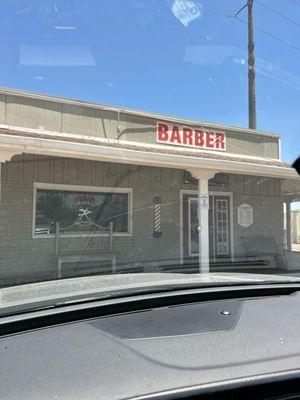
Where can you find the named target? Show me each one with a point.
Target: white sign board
(198, 138)
(204, 201)
(245, 215)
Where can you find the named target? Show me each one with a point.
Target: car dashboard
(237, 344)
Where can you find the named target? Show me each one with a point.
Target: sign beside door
(245, 215)
(204, 201)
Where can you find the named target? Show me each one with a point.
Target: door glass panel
(219, 227)
(193, 226)
(222, 247)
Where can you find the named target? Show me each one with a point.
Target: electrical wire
(272, 36)
(217, 13)
(295, 2)
(278, 13)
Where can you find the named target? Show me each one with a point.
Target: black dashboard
(242, 347)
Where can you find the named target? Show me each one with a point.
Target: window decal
(68, 207)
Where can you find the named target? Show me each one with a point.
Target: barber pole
(157, 218)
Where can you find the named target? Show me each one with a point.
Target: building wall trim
(60, 148)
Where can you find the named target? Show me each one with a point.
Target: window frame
(79, 188)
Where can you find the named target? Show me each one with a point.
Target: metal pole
(203, 235)
(251, 68)
(288, 226)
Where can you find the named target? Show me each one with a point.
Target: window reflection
(68, 207)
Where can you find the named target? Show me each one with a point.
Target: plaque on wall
(245, 215)
(204, 201)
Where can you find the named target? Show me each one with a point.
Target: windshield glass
(149, 137)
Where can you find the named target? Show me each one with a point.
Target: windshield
(149, 137)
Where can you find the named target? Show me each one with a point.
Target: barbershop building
(87, 188)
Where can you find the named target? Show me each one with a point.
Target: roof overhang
(16, 140)
(291, 189)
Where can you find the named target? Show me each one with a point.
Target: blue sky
(152, 55)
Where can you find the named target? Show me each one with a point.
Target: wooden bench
(83, 242)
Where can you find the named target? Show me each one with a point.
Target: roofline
(11, 145)
(4, 129)
(170, 118)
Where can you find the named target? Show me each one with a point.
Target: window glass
(68, 207)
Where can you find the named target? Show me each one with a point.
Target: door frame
(183, 192)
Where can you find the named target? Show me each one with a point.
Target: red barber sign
(185, 136)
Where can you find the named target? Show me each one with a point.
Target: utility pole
(251, 65)
(251, 69)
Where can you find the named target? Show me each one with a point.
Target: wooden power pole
(251, 65)
(251, 68)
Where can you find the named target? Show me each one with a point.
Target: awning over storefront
(291, 190)
(17, 140)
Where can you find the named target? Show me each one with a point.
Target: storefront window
(70, 207)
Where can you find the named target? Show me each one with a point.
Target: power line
(218, 13)
(295, 2)
(278, 13)
(282, 41)
(272, 36)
